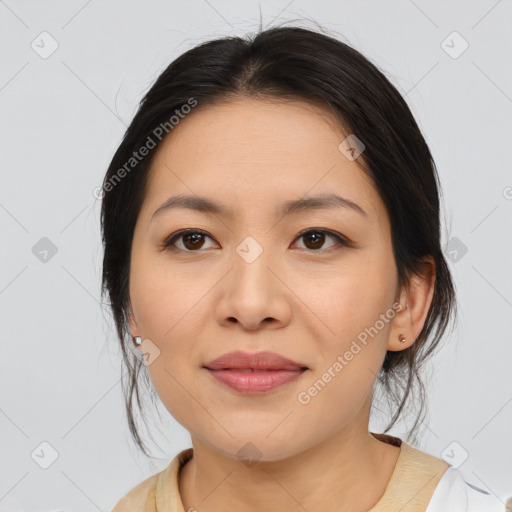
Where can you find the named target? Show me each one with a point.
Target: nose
(254, 294)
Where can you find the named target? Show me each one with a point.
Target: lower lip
(255, 383)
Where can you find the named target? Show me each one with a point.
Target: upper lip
(257, 361)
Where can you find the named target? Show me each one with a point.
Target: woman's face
(251, 280)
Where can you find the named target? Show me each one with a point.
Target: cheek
(352, 301)
(166, 309)
(165, 315)
(164, 299)
(355, 312)
(352, 357)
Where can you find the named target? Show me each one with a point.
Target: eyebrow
(205, 205)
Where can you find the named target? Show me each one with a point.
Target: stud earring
(401, 337)
(137, 340)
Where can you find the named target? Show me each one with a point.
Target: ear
(415, 300)
(134, 329)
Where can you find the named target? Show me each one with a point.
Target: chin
(251, 448)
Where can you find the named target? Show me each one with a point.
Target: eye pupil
(318, 239)
(195, 237)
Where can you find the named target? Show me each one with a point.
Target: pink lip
(260, 361)
(255, 382)
(254, 374)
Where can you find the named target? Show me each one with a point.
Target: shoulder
(140, 498)
(453, 494)
(157, 491)
(422, 481)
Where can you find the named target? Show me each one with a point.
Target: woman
(272, 254)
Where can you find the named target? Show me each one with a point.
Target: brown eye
(314, 239)
(191, 240)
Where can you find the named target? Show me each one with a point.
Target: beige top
(410, 488)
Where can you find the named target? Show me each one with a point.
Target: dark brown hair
(290, 63)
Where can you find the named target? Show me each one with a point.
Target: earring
(137, 340)
(401, 337)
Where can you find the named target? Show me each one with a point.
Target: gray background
(61, 120)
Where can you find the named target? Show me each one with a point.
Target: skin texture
(304, 303)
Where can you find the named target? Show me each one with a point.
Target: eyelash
(341, 241)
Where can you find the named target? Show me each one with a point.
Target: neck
(348, 472)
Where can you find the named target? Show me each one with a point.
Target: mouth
(254, 374)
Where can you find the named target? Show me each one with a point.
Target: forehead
(248, 152)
